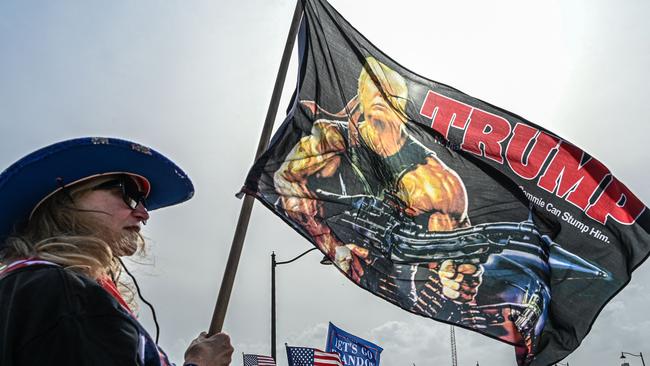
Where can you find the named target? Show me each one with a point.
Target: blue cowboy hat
(30, 180)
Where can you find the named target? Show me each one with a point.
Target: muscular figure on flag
(334, 162)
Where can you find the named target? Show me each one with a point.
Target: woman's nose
(141, 212)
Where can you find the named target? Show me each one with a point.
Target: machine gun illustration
(382, 224)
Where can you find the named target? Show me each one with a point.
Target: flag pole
(244, 215)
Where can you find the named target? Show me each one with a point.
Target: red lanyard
(107, 284)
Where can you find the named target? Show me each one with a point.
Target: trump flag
(443, 204)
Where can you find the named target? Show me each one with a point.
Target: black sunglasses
(131, 193)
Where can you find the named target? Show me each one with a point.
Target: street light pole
(632, 354)
(274, 264)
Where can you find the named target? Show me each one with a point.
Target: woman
(69, 212)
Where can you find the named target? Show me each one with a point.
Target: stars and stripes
(305, 356)
(257, 360)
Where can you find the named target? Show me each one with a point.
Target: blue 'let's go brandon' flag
(354, 351)
(443, 204)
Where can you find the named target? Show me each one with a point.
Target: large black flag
(443, 204)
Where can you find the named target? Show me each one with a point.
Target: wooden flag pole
(244, 215)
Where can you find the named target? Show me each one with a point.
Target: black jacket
(53, 316)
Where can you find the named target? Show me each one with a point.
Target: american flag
(257, 360)
(305, 356)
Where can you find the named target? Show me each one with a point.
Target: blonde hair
(61, 233)
(386, 79)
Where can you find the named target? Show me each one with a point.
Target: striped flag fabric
(306, 356)
(257, 360)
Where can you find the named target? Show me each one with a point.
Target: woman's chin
(127, 245)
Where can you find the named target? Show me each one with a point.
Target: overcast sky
(193, 79)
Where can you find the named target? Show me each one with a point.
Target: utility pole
(454, 358)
